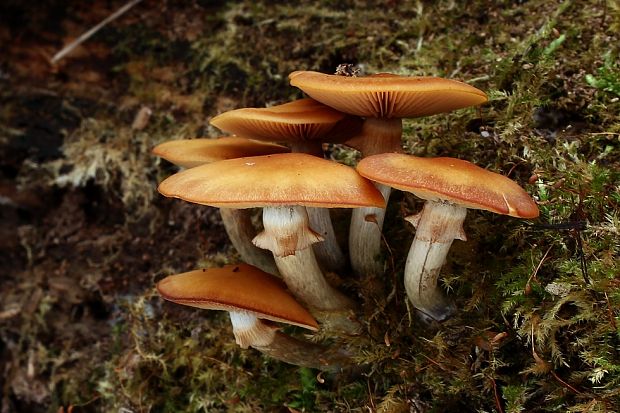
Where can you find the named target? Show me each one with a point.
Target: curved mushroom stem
(365, 237)
(437, 226)
(303, 276)
(378, 135)
(250, 331)
(289, 237)
(306, 354)
(328, 253)
(238, 226)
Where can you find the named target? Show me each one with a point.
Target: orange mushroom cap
(239, 287)
(189, 153)
(450, 179)
(273, 180)
(386, 95)
(300, 120)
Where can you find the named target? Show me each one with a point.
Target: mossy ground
(84, 235)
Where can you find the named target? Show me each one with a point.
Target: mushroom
(450, 186)
(383, 99)
(251, 296)
(283, 185)
(304, 124)
(189, 153)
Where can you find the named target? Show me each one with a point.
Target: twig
(370, 397)
(535, 272)
(497, 401)
(513, 168)
(603, 134)
(392, 264)
(562, 382)
(433, 361)
(69, 48)
(479, 79)
(553, 373)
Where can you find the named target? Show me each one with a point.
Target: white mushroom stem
(303, 276)
(238, 226)
(365, 237)
(437, 226)
(286, 231)
(289, 237)
(328, 253)
(250, 331)
(378, 135)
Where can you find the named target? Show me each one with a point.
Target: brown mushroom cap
(240, 287)
(300, 120)
(189, 153)
(273, 180)
(388, 96)
(450, 179)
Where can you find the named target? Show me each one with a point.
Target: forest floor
(84, 235)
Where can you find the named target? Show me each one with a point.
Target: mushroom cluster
(296, 191)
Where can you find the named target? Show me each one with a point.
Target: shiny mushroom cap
(386, 95)
(453, 180)
(273, 180)
(237, 288)
(300, 120)
(188, 153)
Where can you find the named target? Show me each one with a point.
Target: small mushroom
(283, 185)
(253, 299)
(450, 186)
(304, 124)
(189, 153)
(383, 99)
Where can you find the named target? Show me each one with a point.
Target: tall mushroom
(304, 124)
(251, 296)
(189, 153)
(283, 185)
(383, 99)
(450, 186)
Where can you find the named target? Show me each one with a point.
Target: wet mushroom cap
(189, 153)
(240, 287)
(386, 95)
(452, 180)
(273, 180)
(304, 119)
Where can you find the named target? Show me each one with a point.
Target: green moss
(608, 75)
